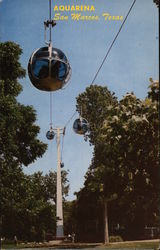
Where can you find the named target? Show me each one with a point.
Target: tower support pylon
(59, 203)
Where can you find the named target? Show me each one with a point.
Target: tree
(124, 169)
(19, 144)
(18, 130)
(156, 2)
(30, 212)
(95, 104)
(50, 181)
(129, 142)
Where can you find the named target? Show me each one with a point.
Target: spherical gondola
(49, 69)
(50, 135)
(80, 126)
(62, 165)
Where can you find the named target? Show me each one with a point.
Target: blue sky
(131, 62)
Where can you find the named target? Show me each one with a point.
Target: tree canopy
(19, 144)
(18, 131)
(156, 2)
(125, 165)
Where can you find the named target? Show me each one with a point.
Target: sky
(131, 62)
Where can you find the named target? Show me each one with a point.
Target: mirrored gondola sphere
(62, 165)
(50, 135)
(49, 71)
(80, 126)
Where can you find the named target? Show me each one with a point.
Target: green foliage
(69, 218)
(156, 2)
(153, 92)
(10, 68)
(94, 104)
(30, 210)
(18, 131)
(87, 214)
(27, 208)
(117, 238)
(125, 165)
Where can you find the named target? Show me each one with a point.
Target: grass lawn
(147, 244)
(11, 246)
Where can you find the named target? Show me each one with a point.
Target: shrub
(116, 238)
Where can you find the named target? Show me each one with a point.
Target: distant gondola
(80, 126)
(50, 135)
(62, 165)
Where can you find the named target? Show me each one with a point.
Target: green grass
(151, 244)
(134, 245)
(10, 246)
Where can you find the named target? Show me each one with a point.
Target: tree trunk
(106, 234)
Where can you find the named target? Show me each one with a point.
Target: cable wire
(113, 41)
(62, 148)
(51, 118)
(106, 54)
(70, 118)
(50, 19)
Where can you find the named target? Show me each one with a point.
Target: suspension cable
(113, 41)
(62, 144)
(70, 118)
(104, 59)
(51, 118)
(50, 19)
